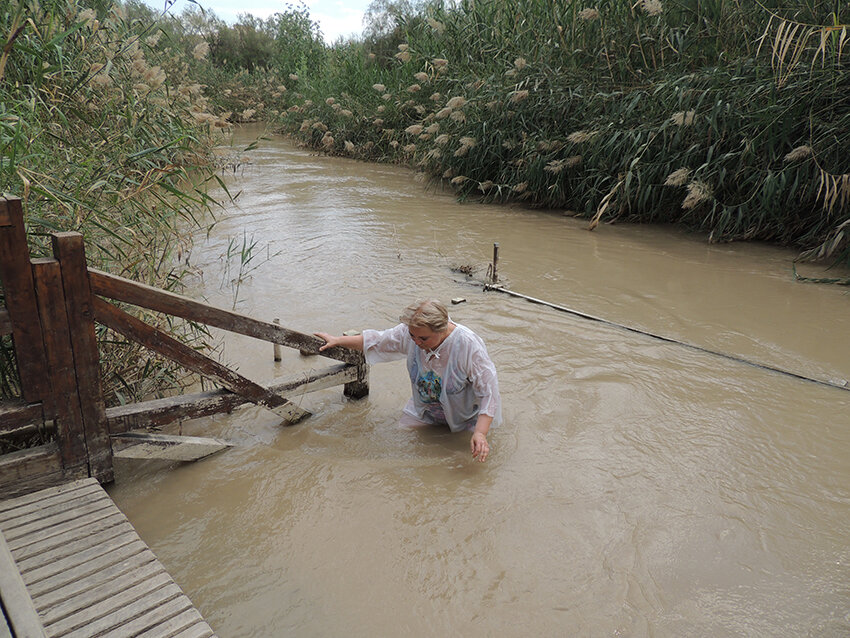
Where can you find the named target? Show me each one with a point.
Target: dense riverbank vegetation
(728, 117)
(102, 131)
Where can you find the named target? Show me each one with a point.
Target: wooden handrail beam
(190, 406)
(15, 415)
(161, 343)
(133, 292)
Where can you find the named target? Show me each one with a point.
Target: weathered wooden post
(495, 277)
(21, 304)
(277, 355)
(69, 249)
(359, 388)
(70, 432)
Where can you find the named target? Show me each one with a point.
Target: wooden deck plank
(35, 511)
(47, 494)
(140, 563)
(92, 594)
(137, 616)
(18, 608)
(85, 571)
(201, 630)
(147, 621)
(121, 599)
(76, 560)
(46, 538)
(81, 544)
(177, 624)
(53, 515)
(57, 519)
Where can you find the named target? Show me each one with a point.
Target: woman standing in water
(452, 377)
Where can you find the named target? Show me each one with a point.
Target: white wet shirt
(451, 384)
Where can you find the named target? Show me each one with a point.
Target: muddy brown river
(635, 488)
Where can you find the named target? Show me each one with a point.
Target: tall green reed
(646, 112)
(101, 132)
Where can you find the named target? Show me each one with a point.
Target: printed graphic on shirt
(429, 385)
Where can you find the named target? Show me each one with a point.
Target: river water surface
(635, 488)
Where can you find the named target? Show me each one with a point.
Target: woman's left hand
(480, 447)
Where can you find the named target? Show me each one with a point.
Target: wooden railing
(52, 305)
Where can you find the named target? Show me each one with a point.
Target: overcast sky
(336, 17)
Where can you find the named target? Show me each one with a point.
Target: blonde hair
(429, 313)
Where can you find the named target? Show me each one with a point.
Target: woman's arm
(354, 342)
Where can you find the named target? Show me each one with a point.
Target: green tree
(298, 42)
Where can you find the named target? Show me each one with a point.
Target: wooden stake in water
(277, 356)
(495, 276)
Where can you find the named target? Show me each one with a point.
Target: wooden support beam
(57, 342)
(18, 606)
(157, 412)
(35, 468)
(15, 415)
(132, 292)
(167, 346)
(165, 447)
(20, 299)
(69, 249)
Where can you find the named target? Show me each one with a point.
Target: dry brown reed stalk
(605, 203)
(792, 38)
(834, 189)
(837, 240)
(519, 96)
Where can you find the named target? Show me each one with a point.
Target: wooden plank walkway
(87, 571)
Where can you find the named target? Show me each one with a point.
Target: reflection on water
(636, 488)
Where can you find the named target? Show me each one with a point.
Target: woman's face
(425, 338)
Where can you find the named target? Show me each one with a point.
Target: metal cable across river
(635, 488)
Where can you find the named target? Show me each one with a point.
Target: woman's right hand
(330, 340)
